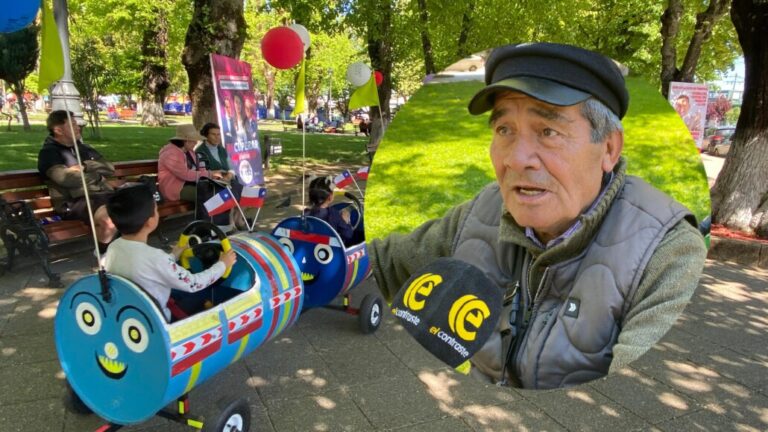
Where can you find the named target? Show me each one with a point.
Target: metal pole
(64, 94)
(330, 86)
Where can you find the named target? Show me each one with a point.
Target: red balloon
(282, 47)
(379, 77)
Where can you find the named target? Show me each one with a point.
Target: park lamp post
(64, 94)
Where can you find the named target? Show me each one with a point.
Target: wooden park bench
(28, 222)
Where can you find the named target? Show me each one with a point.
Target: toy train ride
(125, 362)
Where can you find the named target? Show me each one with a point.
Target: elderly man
(58, 165)
(595, 265)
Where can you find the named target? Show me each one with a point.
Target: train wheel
(370, 313)
(73, 402)
(235, 417)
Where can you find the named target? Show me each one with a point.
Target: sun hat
(187, 132)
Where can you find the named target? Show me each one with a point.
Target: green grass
(123, 142)
(435, 155)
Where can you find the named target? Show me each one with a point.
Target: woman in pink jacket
(179, 172)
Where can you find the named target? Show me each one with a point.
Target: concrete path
(709, 373)
(712, 166)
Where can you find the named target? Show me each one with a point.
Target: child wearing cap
(134, 212)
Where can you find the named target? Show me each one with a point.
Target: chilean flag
(343, 180)
(362, 173)
(253, 197)
(220, 203)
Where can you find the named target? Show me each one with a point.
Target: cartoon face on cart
(320, 255)
(113, 345)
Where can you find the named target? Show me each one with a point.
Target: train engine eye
(88, 318)
(323, 253)
(135, 335)
(287, 243)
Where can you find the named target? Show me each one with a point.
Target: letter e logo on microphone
(419, 290)
(467, 309)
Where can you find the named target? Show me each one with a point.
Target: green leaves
(18, 54)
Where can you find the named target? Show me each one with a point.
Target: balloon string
(303, 165)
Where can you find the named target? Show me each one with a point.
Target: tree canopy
(110, 32)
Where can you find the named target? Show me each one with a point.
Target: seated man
(58, 165)
(595, 265)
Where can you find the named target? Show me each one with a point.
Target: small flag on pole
(366, 95)
(253, 197)
(362, 173)
(219, 203)
(343, 180)
(51, 53)
(300, 93)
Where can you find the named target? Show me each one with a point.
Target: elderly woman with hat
(179, 172)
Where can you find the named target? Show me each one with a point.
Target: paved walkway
(708, 373)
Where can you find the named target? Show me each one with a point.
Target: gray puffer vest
(578, 308)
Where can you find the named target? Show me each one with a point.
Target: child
(321, 197)
(134, 212)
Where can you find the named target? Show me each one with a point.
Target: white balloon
(303, 34)
(358, 74)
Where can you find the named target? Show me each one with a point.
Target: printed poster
(690, 102)
(236, 108)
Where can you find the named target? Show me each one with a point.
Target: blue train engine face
(126, 362)
(116, 347)
(328, 266)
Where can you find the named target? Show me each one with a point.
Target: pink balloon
(379, 77)
(282, 48)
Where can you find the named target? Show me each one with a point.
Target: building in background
(730, 84)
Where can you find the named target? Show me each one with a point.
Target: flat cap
(553, 73)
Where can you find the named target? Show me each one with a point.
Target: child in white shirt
(133, 210)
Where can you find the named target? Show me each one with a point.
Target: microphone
(451, 308)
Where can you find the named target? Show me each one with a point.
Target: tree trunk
(269, 77)
(740, 195)
(705, 22)
(18, 90)
(466, 25)
(670, 26)
(154, 52)
(90, 98)
(217, 26)
(426, 44)
(380, 53)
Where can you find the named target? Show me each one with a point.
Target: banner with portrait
(236, 109)
(690, 102)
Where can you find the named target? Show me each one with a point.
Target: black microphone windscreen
(450, 307)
